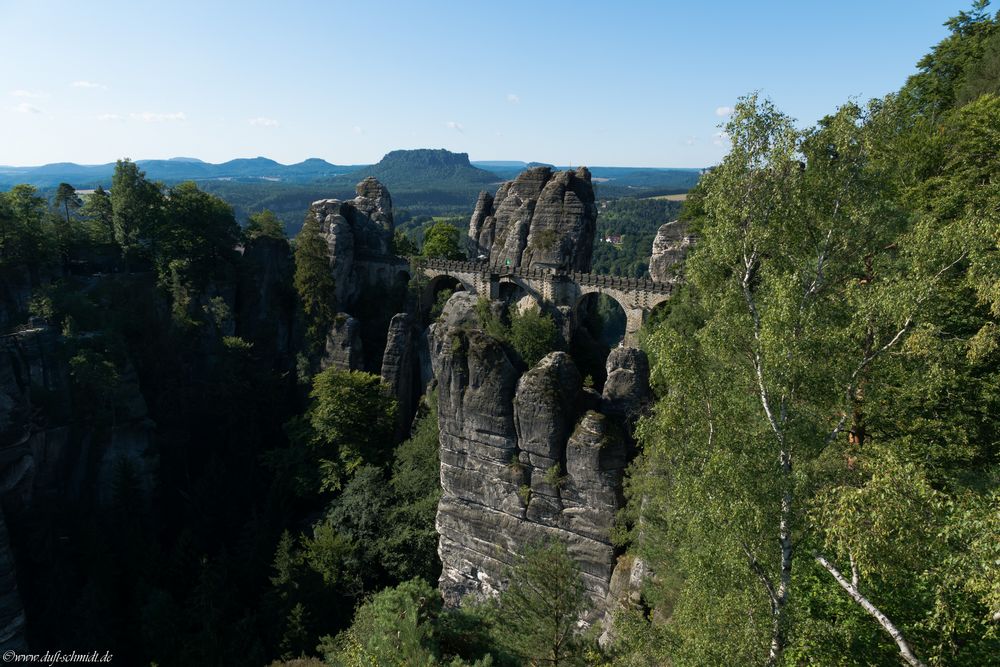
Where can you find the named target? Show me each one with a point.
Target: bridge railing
(548, 273)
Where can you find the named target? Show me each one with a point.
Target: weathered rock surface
(48, 451)
(398, 368)
(343, 345)
(354, 229)
(627, 386)
(267, 301)
(540, 219)
(670, 246)
(519, 464)
(43, 448)
(12, 618)
(625, 592)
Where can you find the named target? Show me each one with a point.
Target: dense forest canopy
(816, 481)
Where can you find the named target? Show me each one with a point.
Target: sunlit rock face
(523, 460)
(354, 230)
(670, 246)
(541, 219)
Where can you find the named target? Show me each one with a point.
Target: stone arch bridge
(636, 296)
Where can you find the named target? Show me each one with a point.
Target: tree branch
(852, 590)
(762, 575)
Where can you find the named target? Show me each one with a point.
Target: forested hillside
(819, 481)
(223, 446)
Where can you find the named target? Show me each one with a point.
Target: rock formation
(39, 452)
(267, 300)
(398, 368)
(669, 248)
(11, 609)
(357, 228)
(540, 219)
(522, 461)
(627, 386)
(343, 345)
(47, 452)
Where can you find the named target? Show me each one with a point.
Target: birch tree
(798, 293)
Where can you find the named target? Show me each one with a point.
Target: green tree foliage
(136, 205)
(67, 200)
(983, 76)
(406, 625)
(442, 241)
(402, 246)
(538, 612)
(98, 215)
(392, 628)
(353, 418)
(264, 223)
(198, 228)
(26, 235)
(950, 72)
(823, 368)
(533, 334)
(314, 282)
(636, 221)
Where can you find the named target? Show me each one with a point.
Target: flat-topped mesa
(541, 219)
(354, 229)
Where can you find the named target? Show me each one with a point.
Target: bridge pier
(634, 319)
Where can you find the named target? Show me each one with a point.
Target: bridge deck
(551, 274)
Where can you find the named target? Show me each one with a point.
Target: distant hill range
(174, 170)
(422, 181)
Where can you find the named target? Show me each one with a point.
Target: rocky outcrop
(343, 345)
(12, 619)
(521, 462)
(354, 229)
(398, 369)
(45, 446)
(627, 386)
(15, 293)
(52, 452)
(625, 592)
(267, 299)
(670, 246)
(540, 219)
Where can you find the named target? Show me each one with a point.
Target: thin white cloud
(24, 107)
(358, 130)
(722, 112)
(454, 126)
(111, 117)
(89, 84)
(150, 117)
(260, 121)
(28, 94)
(513, 99)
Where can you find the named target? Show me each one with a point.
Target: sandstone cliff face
(11, 609)
(540, 219)
(670, 246)
(47, 452)
(398, 368)
(627, 386)
(343, 345)
(360, 227)
(522, 461)
(267, 299)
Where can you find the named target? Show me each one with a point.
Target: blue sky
(599, 83)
